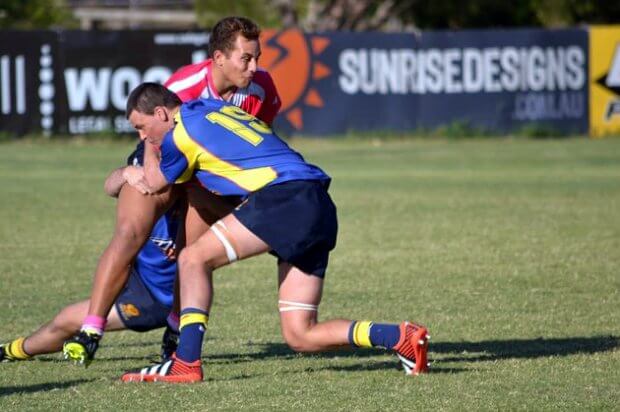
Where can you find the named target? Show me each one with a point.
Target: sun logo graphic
(291, 59)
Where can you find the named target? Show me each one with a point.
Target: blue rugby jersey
(230, 151)
(156, 263)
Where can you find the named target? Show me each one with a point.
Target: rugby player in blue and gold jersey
(286, 211)
(146, 296)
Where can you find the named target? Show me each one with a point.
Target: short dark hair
(225, 33)
(147, 96)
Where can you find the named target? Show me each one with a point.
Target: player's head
(235, 49)
(150, 110)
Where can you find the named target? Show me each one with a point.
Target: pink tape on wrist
(173, 320)
(95, 323)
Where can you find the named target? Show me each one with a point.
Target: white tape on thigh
(230, 251)
(297, 306)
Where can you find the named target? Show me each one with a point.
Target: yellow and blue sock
(15, 350)
(192, 326)
(365, 334)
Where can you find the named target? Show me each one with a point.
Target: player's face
(241, 63)
(152, 127)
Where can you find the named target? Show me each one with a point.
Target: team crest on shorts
(129, 310)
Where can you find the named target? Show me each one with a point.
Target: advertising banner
(494, 80)
(604, 80)
(499, 81)
(100, 69)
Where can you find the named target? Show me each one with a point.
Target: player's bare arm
(114, 182)
(153, 176)
(133, 175)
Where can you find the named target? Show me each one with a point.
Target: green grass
(508, 249)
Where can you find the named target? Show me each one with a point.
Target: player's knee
(296, 340)
(65, 321)
(190, 260)
(129, 232)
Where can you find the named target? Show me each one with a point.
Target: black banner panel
(28, 88)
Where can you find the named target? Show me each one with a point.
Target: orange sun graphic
(289, 58)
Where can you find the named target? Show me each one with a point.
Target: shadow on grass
(41, 387)
(439, 352)
(491, 350)
(482, 351)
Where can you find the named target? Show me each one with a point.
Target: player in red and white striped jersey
(258, 98)
(231, 73)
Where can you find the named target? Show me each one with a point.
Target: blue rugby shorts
(137, 308)
(297, 219)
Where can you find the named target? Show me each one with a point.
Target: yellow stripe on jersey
(190, 318)
(361, 334)
(200, 158)
(187, 147)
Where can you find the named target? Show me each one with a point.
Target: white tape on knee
(296, 306)
(230, 250)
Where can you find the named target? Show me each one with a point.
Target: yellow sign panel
(604, 80)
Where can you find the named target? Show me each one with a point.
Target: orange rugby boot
(412, 348)
(173, 370)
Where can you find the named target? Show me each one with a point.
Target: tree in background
(353, 15)
(33, 14)
(591, 11)
(208, 12)
(399, 15)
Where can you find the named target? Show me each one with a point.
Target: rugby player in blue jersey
(232, 74)
(144, 301)
(287, 211)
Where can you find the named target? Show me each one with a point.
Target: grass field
(508, 249)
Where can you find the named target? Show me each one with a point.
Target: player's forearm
(114, 182)
(152, 173)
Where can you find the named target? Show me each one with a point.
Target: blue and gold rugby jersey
(156, 263)
(230, 152)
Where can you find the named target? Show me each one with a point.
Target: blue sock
(192, 326)
(385, 335)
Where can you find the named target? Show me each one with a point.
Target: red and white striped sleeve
(190, 81)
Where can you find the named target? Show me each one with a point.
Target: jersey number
(229, 116)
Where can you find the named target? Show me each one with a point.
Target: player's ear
(218, 57)
(161, 113)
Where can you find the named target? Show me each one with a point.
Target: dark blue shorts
(297, 219)
(137, 308)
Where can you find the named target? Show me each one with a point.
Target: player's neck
(222, 86)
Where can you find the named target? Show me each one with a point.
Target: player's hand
(82, 347)
(134, 175)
